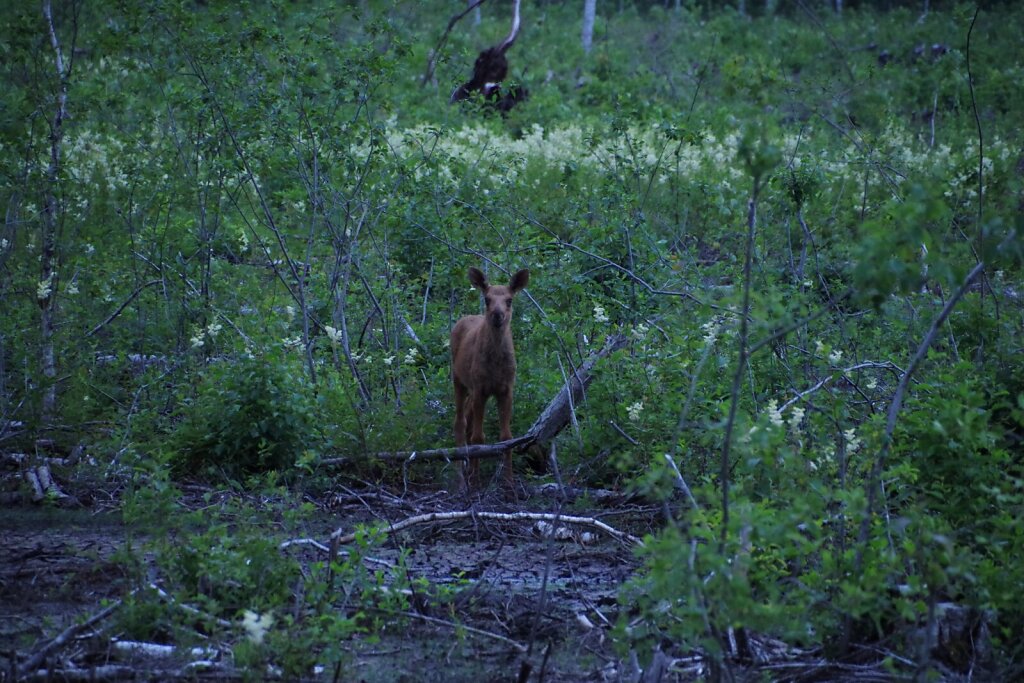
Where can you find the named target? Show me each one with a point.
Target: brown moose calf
(484, 365)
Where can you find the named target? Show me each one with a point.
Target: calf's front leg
(505, 423)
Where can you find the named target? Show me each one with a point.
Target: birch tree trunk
(587, 36)
(46, 291)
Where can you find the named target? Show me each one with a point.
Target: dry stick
(557, 413)
(741, 362)
(120, 309)
(188, 608)
(897, 402)
(466, 453)
(843, 373)
(66, 635)
(681, 483)
(433, 517)
(519, 647)
(981, 167)
(429, 73)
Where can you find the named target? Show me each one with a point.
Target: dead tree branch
(517, 646)
(131, 298)
(556, 416)
(428, 75)
(66, 636)
(338, 538)
(874, 481)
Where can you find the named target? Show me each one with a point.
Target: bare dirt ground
(531, 598)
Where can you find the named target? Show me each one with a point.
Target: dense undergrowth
(262, 221)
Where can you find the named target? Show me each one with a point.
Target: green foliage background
(266, 217)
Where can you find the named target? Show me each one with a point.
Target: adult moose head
(484, 365)
(490, 69)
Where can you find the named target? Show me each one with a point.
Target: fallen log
(552, 420)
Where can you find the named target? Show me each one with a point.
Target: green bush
(249, 416)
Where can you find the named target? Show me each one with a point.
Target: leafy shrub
(249, 416)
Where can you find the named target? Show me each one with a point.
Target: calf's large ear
(478, 279)
(519, 280)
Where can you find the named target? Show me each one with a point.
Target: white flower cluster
(44, 288)
(634, 410)
(639, 333)
(333, 333)
(834, 355)
(711, 329)
(96, 156)
(796, 417)
(198, 339)
(256, 625)
(412, 356)
(599, 314)
(853, 442)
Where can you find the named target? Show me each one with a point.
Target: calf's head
(498, 298)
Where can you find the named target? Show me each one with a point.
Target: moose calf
(484, 365)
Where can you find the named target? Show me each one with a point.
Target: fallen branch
(124, 672)
(66, 636)
(110, 318)
(466, 453)
(557, 414)
(140, 648)
(434, 517)
(189, 608)
(842, 373)
(44, 487)
(519, 647)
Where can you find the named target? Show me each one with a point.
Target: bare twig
(66, 636)
(744, 352)
(681, 483)
(519, 647)
(464, 453)
(131, 298)
(428, 75)
(874, 481)
(188, 608)
(843, 373)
